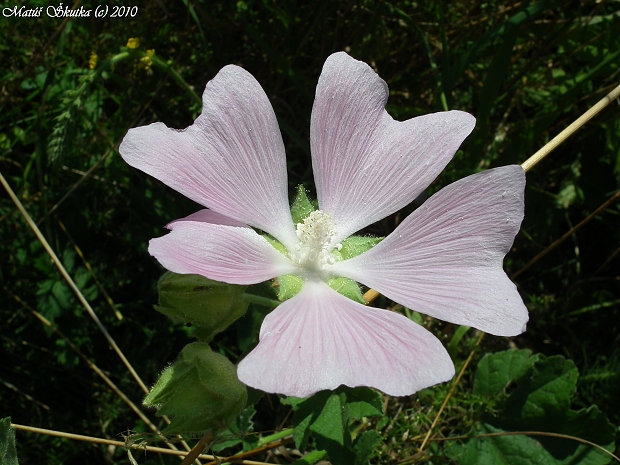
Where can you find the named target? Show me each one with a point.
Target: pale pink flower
(444, 260)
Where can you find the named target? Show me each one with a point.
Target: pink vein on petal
(209, 216)
(367, 165)
(320, 339)
(233, 254)
(445, 259)
(230, 160)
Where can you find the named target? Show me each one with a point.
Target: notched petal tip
(445, 259)
(230, 160)
(320, 340)
(367, 165)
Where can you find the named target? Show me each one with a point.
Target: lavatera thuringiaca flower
(443, 260)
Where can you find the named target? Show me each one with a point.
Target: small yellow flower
(150, 52)
(92, 62)
(133, 43)
(145, 62)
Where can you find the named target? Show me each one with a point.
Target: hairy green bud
(210, 306)
(200, 392)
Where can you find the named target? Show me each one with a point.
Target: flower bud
(210, 306)
(200, 392)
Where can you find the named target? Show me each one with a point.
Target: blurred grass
(525, 69)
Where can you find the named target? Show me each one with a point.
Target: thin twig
(582, 223)
(91, 365)
(198, 448)
(258, 450)
(77, 184)
(531, 433)
(109, 442)
(452, 389)
(21, 393)
(71, 283)
(108, 299)
(566, 133)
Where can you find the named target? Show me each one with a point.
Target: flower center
(315, 236)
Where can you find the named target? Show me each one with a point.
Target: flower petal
(319, 340)
(445, 259)
(366, 165)
(232, 254)
(230, 160)
(209, 216)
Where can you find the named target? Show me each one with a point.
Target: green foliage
(239, 432)
(8, 454)
(326, 417)
(524, 69)
(200, 391)
(533, 393)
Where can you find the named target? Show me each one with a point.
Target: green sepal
(200, 392)
(210, 306)
(288, 286)
(276, 244)
(302, 207)
(347, 287)
(356, 245)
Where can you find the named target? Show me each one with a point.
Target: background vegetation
(524, 69)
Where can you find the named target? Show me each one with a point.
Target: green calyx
(209, 306)
(347, 287)
(289, 285)
(302, 206)
(200, 392)
(356, 245)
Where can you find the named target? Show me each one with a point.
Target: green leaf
(327, 416)
(503, 450)
(543, 396)
(364, 446)
(8, 453)
(210, 306)
(539, 402)
(301, 433)
(306, 411)
(238, 432)
(526, 450)
(331, 431)
(363, 402)
(312, 458)
(589, 424)
(496, 371)
(302, 207)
